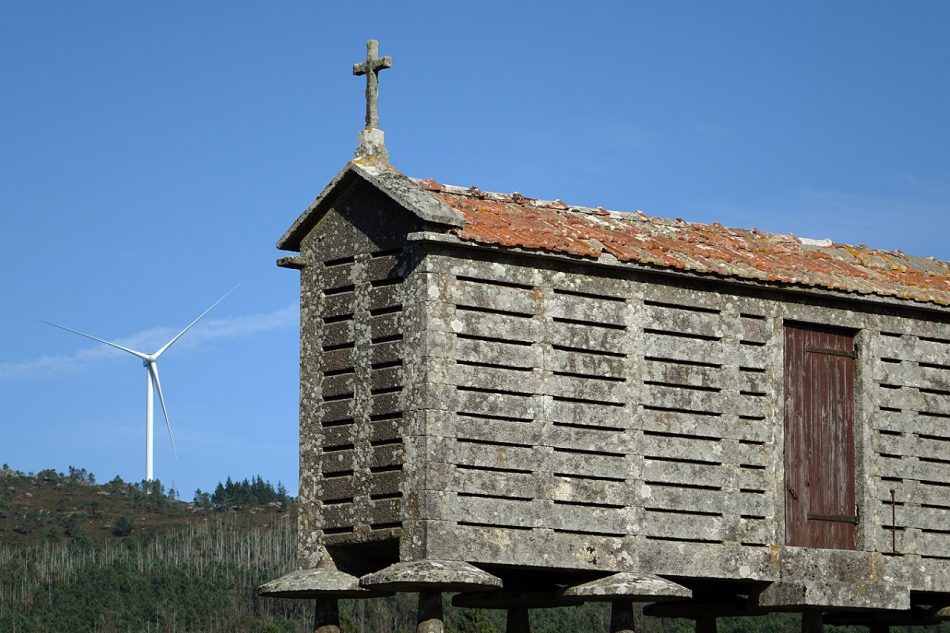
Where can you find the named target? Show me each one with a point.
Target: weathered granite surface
(630, 586)
(431, 575)
(316, 583)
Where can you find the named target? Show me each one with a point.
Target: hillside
(50, 506)
(79, 556)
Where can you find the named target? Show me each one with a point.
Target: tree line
(243, 494)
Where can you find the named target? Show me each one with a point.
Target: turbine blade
(153, 370)
(96, 338)
(188, 327)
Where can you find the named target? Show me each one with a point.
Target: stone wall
(586, 418)
(352, 376)
(911, 438)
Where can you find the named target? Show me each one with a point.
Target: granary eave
(513, 221)
(403, 190)
(615, 264)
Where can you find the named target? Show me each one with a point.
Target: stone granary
(535, 404)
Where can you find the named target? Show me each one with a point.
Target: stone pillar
(324, 585)
(706, 624)
(429, 614)
(430, 578)
(326, 615)
(518, 621)
(623, 589)
(812, 622)
(621, 616)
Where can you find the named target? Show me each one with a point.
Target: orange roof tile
(511, 220)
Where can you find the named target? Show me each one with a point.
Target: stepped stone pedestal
(430, 578)
(325, 585)
(621, 590)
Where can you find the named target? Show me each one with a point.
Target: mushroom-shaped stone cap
(431, 575)
(630, 586)
(315, 583)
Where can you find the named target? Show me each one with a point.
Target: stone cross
(370, 68)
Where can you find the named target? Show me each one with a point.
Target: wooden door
(820, 508)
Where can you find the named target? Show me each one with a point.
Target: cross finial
(373, 64)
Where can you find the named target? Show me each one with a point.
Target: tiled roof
(511, 220)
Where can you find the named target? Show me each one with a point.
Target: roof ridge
(559, 205)
(541, 203)
(514, 220)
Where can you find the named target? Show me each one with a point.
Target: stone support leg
(812, 622)
(706, 624)
(518, 621)
(429, 616)
(621, 616)
(879, 628)
(326, 616)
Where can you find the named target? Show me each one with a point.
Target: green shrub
(122, 526)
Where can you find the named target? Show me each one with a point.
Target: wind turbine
(150, 361)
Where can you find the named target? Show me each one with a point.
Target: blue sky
(152, 153)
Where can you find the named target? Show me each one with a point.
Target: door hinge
(838, 518)
(832, 352)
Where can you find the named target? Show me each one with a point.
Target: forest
(122, 557)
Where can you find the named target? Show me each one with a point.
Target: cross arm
(377, 64)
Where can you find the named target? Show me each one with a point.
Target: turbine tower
(152, 382)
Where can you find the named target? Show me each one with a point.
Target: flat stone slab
(431, 575)
(514, 600)
(636, 587)
(702, 610)
(913, 617)
(316, 583)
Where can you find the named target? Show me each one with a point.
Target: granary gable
(385, 179)
(636, 240)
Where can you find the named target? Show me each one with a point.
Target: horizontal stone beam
(514, 600)
(701, 610)
(912, 617)
(795, 595)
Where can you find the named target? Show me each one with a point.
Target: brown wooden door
(820, 509)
